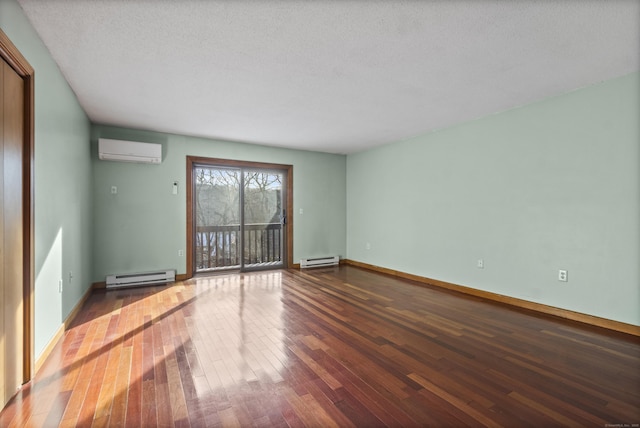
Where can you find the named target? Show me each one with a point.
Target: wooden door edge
(10, 53)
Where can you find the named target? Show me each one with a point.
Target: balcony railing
(218, 247)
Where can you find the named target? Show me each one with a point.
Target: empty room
(320, 213)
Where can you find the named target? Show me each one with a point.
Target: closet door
(11, 231)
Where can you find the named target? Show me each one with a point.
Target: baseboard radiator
(319, 262)
(138, 279)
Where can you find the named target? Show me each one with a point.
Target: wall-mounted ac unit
(129, 151)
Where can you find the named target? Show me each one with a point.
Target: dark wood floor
(330, 347)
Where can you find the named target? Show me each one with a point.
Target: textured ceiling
(332, 76)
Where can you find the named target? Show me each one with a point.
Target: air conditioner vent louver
(319, 262)
(137, 279)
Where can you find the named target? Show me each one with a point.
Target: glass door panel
(263, 218)
(217, 218)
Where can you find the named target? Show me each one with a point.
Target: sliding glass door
(239, 216)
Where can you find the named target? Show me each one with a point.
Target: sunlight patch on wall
(48, 296)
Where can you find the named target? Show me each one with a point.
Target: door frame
(10, 53)
(192, 161)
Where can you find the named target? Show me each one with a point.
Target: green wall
(143, 226)
(552, 185)
(62, 185)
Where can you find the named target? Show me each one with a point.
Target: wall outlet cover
(563, 275)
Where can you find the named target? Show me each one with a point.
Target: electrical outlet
(563, 275)
(180, 253)
(480, 264)
(114, 190)
(368, 246)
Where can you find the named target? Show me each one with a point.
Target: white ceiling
(328, 75)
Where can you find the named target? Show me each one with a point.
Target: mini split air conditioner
(129, 151)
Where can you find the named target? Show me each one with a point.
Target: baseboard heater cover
(319, 262)
(138, 279)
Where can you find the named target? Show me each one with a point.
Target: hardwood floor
(329, 347)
